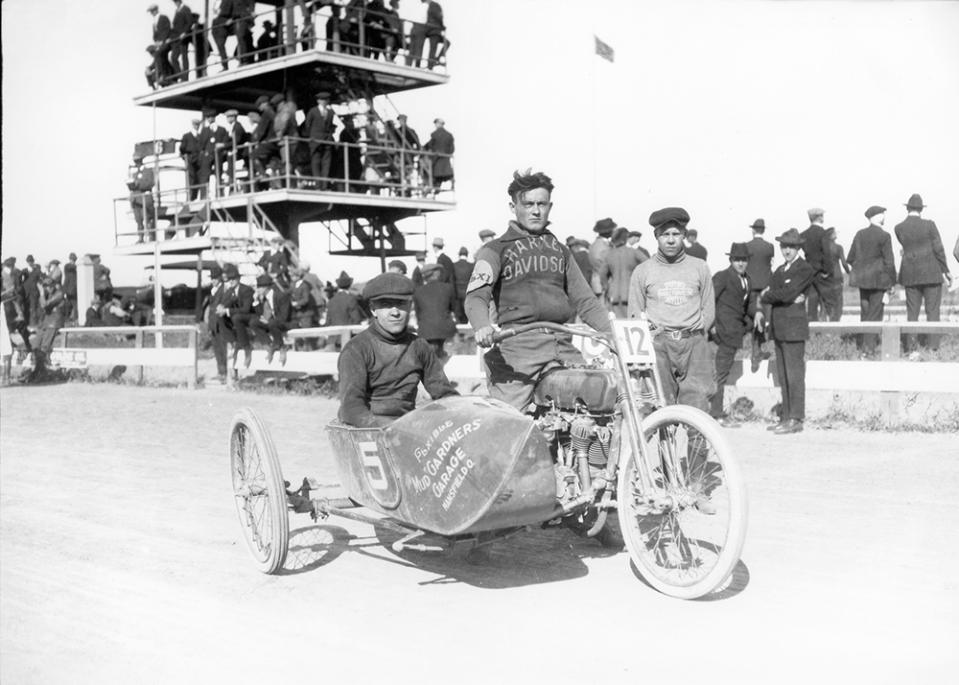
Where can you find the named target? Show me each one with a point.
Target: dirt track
(121, 561)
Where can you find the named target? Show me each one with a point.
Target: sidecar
(455, 466)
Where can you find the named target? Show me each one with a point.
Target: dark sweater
(379, 375)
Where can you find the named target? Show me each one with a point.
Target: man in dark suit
(417, 276)
(759, 269)
(235, 311)
(815, 248)
(70, 285)
(786, 293)
(440, 142)
(580, 250)
(923, 269)
(873, 271)
(319, 127)
(212, 140)
(617, 268)
(736, 313)
(32, 276)
(201, 45)
(462, 270)
(162, 43)
(443, 260)
(190, 152)
(214, 322)
(182, 27)
(597, 253)
(272, 309)
(266, 152)
(435, 306)
(344, 308)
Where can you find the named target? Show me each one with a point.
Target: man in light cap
(235, 146)
(675, 292)
(873, 272)
(788, 288)
(443, 259)
(162, 44)
(319, 127)
(381, 367)
(923, 270)
(443, 146)
(531, 276)
(815, 248)
(141, 185)
(182, 25)
(486, 235)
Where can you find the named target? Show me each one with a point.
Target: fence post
(138, 343)
(890, 341)
(192, 343)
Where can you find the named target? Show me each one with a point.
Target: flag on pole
(603, 50)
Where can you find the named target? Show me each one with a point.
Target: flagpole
(593, 127)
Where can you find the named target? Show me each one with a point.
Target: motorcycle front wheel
(685, 532)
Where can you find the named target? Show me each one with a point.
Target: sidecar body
(454, 466)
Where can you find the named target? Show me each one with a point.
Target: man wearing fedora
(873, 272)
(319, 127)
(597, 251)
(272, 311)
(443, 259)
(815, 248)
(759, 268)
(786, 294)
(923, 269)
(344, 308)
(235, 310)
(736, 313)
(675, 291)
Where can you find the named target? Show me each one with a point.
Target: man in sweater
(531, 276)
(675, 292)
(873, 271)
(381, 367)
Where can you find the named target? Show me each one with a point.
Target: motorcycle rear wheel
(685, 536)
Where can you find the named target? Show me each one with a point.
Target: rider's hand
(484, 336)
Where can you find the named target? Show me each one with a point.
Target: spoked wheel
(259, 491)
(684, 533)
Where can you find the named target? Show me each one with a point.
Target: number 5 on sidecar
(599, 452)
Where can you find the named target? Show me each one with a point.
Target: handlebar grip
(503, 334)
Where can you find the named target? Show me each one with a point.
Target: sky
(733, 110)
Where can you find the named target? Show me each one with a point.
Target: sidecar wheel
(259, 491)
(686, 533)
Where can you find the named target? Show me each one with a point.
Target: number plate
(634, 341)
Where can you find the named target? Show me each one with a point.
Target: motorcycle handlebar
(505, 333)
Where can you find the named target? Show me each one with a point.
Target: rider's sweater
(379, 373)
(676, 295)
(531, 277)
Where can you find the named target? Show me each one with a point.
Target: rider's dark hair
(526, 181)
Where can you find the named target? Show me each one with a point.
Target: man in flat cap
(736, 313)
(675, 291)
(786, 294)
(162, 44)
(486, 235)
(759, 269)
(923, 270)
(633, 242)
(442, 144)
(617, 268)
(381, 367)
(435, 306)
(213, 141)
(694, 247)
(815, 248)
(266, 151)
(235, 146)
(531, 276)
(181, 37)
(873, 272)
(396, 267)
(597, 252)
(141, 183)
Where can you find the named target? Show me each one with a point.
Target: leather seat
(596, 388)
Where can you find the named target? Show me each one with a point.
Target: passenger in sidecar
(381, 368)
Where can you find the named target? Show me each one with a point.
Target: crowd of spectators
(367, 28)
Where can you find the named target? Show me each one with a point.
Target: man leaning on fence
(923, 270)
(873, 272)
